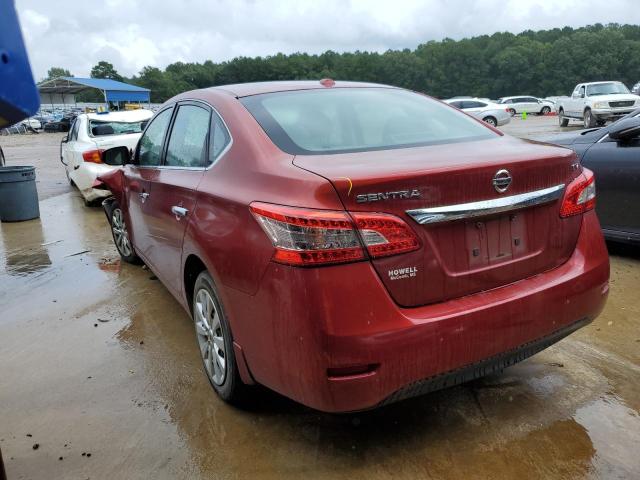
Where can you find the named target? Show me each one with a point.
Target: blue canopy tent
(64, 89)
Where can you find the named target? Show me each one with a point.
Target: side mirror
(625, 130)
(116, 156)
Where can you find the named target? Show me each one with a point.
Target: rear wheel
(491, 121)
(588, 119)
(545, 110)
(215, 341)
(561, 118)
(121, 235)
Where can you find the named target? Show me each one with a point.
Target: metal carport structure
(65, 89)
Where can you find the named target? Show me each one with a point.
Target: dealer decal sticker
(400, 273)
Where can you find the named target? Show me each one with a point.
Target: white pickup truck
(596, 102)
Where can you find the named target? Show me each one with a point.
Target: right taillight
(580, 195)
(92, 156)
(308, 237)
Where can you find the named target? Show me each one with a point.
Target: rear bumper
(303, 322)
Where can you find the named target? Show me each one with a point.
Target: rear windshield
(98, 128)
(359, 119)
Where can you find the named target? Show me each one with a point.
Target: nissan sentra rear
(351, 245)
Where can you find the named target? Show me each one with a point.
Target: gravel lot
(100, 370)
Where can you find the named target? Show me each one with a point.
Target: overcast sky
(76, 34)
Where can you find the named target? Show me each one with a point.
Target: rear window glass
(359, 119)
(98, 128)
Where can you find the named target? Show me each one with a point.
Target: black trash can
(18, 194)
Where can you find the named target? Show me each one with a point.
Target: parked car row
(350, 245)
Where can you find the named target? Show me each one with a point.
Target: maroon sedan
(350, 245)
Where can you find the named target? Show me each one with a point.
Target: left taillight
(308, 237)
(580, 195)
(92, 156)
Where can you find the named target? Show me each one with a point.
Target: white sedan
(494, 114)
(90, 134)
(527, 104)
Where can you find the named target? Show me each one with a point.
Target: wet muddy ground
(100, 370)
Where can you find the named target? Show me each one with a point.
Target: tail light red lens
(93, 156)
(385, 235)
(580, 195)
(306, 237)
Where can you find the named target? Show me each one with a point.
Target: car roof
(257, 88)
(122, 116)
(517, 96)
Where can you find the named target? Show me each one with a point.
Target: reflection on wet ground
(97, 358)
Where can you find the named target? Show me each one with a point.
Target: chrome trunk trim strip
(486, 207)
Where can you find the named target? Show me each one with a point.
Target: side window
(456, 104)
(581, 91)
(73, 136)
(150, 147)
(508, 101)
(219, 139)
(188, 137)
(473, 104)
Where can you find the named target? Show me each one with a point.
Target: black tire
(115, 214)
(545, 110)
(512, 112)
(491, 121)
(561, 118)
(230, 386)
(588, 119)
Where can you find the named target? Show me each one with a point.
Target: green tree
(55, 72)
(105, 70)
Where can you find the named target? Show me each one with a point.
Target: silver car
(517, 105)
(493, 113)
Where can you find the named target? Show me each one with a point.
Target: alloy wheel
(120, 233)
(210, 337)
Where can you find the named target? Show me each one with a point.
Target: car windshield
(343, 120)
(606, 89)
(98, 128)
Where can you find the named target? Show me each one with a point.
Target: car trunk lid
(460, 256)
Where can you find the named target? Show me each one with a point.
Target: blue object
(19, 98)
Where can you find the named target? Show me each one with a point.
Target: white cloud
(158, 32)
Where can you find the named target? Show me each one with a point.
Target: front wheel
(491, 121)
(512, 111)
(588, 119)
(120, 235)
(215, 341)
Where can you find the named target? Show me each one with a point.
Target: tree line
(542, 63)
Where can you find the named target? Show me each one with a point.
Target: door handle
(143, 196)
(179, 211)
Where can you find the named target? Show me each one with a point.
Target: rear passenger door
(173, 192)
